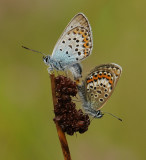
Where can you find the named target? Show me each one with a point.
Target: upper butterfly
(73, 46)
(98, 87)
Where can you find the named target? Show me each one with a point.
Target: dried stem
(61, 134)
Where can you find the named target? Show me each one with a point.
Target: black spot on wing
(101, 99)
(79, 53)
(70, 46)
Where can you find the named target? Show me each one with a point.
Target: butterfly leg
(50, 70)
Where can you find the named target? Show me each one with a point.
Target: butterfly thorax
(54, 64)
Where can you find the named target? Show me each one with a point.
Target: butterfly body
(98, 87)
(53, 64)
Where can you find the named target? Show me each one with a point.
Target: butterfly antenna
(114, 116)
(33, 50)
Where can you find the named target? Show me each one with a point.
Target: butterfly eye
(46, 59)
(98, 112)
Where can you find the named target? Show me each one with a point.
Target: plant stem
(61, 134)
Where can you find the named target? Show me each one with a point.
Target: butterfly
(74, 45)
(97, 87)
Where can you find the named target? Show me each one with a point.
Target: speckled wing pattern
(75, 43)
(100, 83)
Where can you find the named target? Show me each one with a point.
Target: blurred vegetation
(26, 127)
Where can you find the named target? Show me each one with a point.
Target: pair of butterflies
(75, 45)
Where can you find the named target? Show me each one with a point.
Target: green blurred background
(27, 131)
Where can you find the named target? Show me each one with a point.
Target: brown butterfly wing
(100, 84)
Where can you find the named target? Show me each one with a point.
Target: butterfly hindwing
(100, 84)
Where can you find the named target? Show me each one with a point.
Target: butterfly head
(98, 114)
(46, 59)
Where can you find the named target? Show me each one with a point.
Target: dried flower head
(68, 117)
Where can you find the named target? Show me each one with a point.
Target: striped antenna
(33, 50)
(114, 116)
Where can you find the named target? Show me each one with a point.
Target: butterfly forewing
(75, 44)
(79, 20)
(100, 84)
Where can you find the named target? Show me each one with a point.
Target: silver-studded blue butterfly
(97, 87)
(73, 46)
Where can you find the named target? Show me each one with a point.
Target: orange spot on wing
(110, 81)
(85, 45)
(84, 36)
(90, 80)
(106, 77)
(85, 53)
(99, 76)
